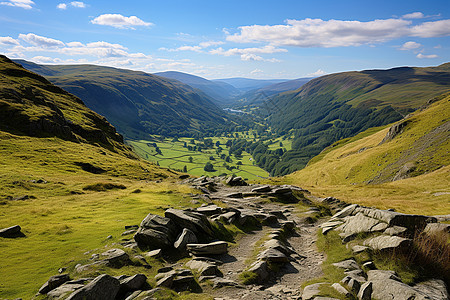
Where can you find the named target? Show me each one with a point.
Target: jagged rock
(147, 295)
(273, 255)
(347, 265)
(386, 285)
(386, 243)
(247, 218)
(132, 283)
(434, 288)
(54, 282)
(166, 280)
(205, 268)
(115, 257)
(395, 230)
(236, 181)
(278, 245)
(346, 211)
(11, 232)
(196, 222)
(340, 289)
(153, 239)
(359, 248)
(164, 269)
(154, 253)
(64, 290)
(311, 291)
(261, 269)
(358, 224)
(131, 231)
(209, 210)
(229, 217)
(102, 287)
(214, 248)
(237, 195)
(287, 225)
(186, 237)
(433, 228)
(365, 292)
(262, 189)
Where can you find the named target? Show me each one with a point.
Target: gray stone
(273, 255)
(369, 265)
(236, 181)
(196, 222)
(347, 265)
(133, 295)
(325, 230)
(229, 217)
(434, 228)
(205, 268)
(132, 283)
(261, 269)
(166, 280)
(358, 224)
(311, 291)
(395, 230)
(102, 287)
(237, 195)
(186, 237)
(131, 231)
(340, 289)
(365, 292)
(153, 239)
(262, 189)
(222, 282)
(278, 245)
(54, 282)
(115, 257)
(214, 248)
(346, 211)
(64, 290)
(359, 248)
(154, 253)
(11, 232)
(387, 243)
(209, 210)
(434, 288)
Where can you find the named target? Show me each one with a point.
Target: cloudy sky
(228, 38)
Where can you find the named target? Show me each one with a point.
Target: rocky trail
(272, 256)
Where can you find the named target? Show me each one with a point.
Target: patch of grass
(248, 277)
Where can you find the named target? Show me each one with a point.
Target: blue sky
(220, 39)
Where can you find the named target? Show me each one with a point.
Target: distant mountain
(137, 103)
(220, 91)
(336, 106)
(247, 84)
(255, 98)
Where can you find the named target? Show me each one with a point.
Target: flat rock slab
(273, 255)
(311, 291)
(348, 265)
(196, 222)
(215, 248)
(262, 189)
(386, 243)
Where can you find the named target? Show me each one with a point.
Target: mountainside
(247, 84)
(341, 105)
(222, 92)
(137, 103)
(411, 154)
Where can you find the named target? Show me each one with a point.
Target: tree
(228, 159)
(218, 144)
(239, 163)
(190, 159)
(184, 169)
(212, 158)
(208, 167)
(184, 145)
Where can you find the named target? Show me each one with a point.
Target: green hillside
(137, 103)
(405, 166)
(341, 105)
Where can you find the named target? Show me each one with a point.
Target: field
(174, 154)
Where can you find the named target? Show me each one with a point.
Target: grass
(344, 169)
(175, 156)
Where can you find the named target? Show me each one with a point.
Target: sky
(214, 39)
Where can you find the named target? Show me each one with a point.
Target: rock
(88, 267)
(287, 225)
(154, 253)
(153, 239)
(214, 248)
(11, 232)
(229, 217)
(132, 283)
(166, 281)
(273, 255)
(102, 287)
(278, 245)
(358, 224)
(219, 282)
(347, 265)
(196, 222)
(262, 189)
(369, 265)
(395, 230)
(434, 228)
(165, 269)
(54, 282)
(359, 248)
(204, 268)
(186, 237)
(325, 230)
(261, 269)
(64, 290)
(116, 258)
(131, 231)
(388, 243)
(236, 181)
(365, 292)
(347, 211)
(209, 210)
(237, 195)
(311, 291)
(340, 289)
(434, 288)
(133, 295)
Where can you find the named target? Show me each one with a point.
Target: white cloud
(105, 45)
(7, 40)
(78, 4)
(420, 55)
(249, 53)
(62, 6)
(317, 73)
(249, 56)
(27, 4)
(410, 46)
(414, 15)
(119, 21)
(75, 44)
(210, 44)
(40, 41)
(256, 71)
(336, 33)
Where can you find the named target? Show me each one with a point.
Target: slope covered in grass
(405, 166)
(137, 103)
(337, 106)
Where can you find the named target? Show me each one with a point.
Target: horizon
(255, 40)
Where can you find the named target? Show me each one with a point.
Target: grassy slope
(344, 168)
(60, 219)
(136, 103)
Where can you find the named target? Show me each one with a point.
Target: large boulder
(204, 268)
(215, 248)
(196, 222)
(209, 210)
(186, 237)
(53, 283)
(274, 256)
(261, 269)
(358, 224)
(387, 243)
(236, 181)
(132, 283)
(156, 232)
(115, 258)
(102, 287)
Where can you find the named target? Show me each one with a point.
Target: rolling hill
(137, 103)
(336, 106)
(390, 165)
(222, 92)
(247, 84)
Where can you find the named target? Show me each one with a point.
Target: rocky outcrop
(214, 248)
(102, 287)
